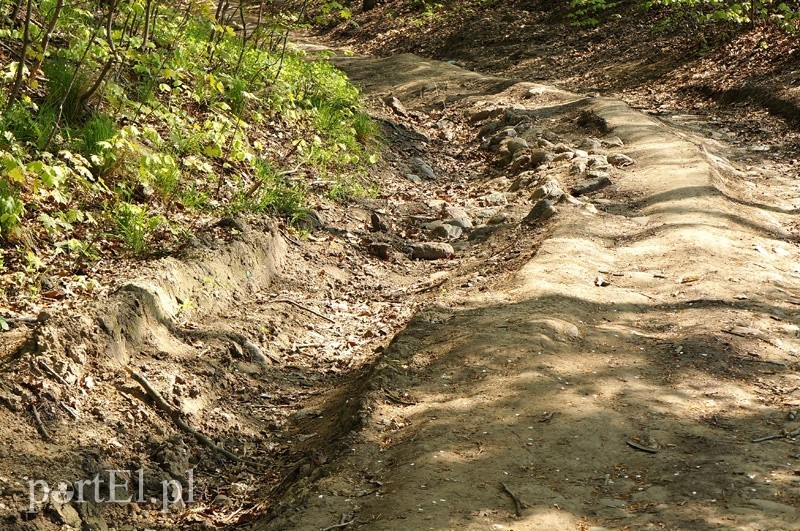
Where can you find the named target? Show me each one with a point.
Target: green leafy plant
(588, 12)
(272, 193)
(162, 172)
(11, 210)
(134, 225)
(733, 12)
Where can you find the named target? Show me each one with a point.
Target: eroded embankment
(640, 370)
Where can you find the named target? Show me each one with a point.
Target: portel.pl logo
(110, 487)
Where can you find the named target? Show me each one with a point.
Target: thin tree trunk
(26, 41)
(69, 88)
(15, 12)
(48, 32)
(148, 9)
(112, 9)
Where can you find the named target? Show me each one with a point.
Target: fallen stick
(40, 425)
(517, 503)
(783, 435)
(306, 308)
(768, 438)
(45, 367)
(341, 524)
(641, 448)
(169, 410)
(397, 399)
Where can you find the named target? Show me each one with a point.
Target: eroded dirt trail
(625, 376)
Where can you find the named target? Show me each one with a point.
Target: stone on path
(541, 211)
(431, 250)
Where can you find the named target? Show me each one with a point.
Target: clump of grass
(65, 85)
(134, 225)
(365, 128)
(100, 128)
(274, 194)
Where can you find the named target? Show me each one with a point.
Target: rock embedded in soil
(431, 250)
(495, 198)
(545, 144)
(483, 232)
(94, 523)
(540, 156)
(614, 141)
(620, 161)
(587, 186)
(520, 162)
(446, 231)
(422, 169)
(479, 116)
(541, 211)
(524, 180)
(549, 190)
(562, 148)
(460, 223)
(516, 144)
(380, 249)
(377, 224)
(396, 106)
(597, 174)
(496, 140)
(590, 144)
(457, 216)
(64, 514)
(599, 162)
(578, 166)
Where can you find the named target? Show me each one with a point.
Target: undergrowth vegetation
(700, 13)
(123, 120)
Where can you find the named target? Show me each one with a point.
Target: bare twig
(306, 308)
(71, 410)
(429, 287)
(45, 367)
(342, 523)
(768, 438)
(182, 424)
(517, 503)
(640, 447)
(783, 435)
(19, 74)
(397, 399)
(40, 425)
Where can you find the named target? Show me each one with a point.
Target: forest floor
(627, 356)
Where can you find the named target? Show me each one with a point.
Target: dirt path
(622, 377)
